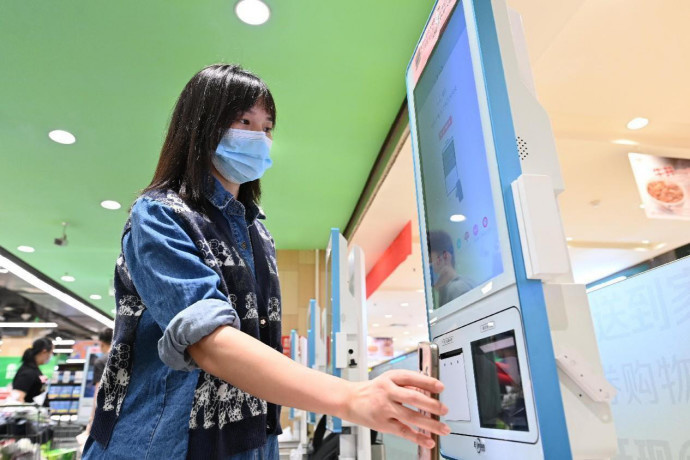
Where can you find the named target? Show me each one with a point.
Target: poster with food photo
(664, 185)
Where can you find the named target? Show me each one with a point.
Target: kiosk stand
(497, 274)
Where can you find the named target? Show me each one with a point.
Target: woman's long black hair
(38, 346)
(212, 100)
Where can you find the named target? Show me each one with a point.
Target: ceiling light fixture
(28, 249)
(95, 297)
(388, 316)
(58, 294)
(63, 350)
(110, 204)
(68, 278)
(638, 123)
(642, 206)
(252, 12)
(375, 325)
(76, 361)
(404, 304)
(569, 238)
(60, 341)
(625, 142)
(62, 137)
(457, 218)
(29, 324)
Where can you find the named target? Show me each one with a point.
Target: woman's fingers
(419, 400)
(424, 422)
(404, 378)
(408, 433)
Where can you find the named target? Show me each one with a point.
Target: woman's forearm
(382, 404)
(254, 367)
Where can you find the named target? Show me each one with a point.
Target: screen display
(463, 241)
(500, 396)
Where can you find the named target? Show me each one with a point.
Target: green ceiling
(110, 72)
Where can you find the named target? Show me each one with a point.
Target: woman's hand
(378, 404)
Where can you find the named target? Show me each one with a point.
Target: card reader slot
(450, 354)
(453, 375)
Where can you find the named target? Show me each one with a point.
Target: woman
(29, 381)
(195, 369)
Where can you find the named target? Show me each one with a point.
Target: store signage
(664, 185)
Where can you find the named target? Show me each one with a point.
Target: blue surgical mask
(242, 155)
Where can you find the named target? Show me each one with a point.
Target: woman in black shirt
(30, 381)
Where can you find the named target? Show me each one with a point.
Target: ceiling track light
(62, 241)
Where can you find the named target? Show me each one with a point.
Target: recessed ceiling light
(645, 241)
(457, 218)
(404, 304)
(67, 278)
(569, 238)
(406, 332)
(660, 246)
(25, 249)
(642, 206)
(625, 142)
(95, 297)
(638, 123)
(640, 249)
(252, 12)
(389, 316)
(375, 325)
(62, 137)
(420, 290)
(110, 204)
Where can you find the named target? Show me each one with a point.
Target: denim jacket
(181, 275)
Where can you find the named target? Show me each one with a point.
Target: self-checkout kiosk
(299, 352)
(517, 349)
(346, 328)
(316, 344)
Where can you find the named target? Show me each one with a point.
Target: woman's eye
(244, 121)
(268, 130)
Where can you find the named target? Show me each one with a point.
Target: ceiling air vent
(522, 148)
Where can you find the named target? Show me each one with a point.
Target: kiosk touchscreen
(488, 320)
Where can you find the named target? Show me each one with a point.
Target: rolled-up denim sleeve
(179, 290)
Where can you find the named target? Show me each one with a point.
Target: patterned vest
(224, 420)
